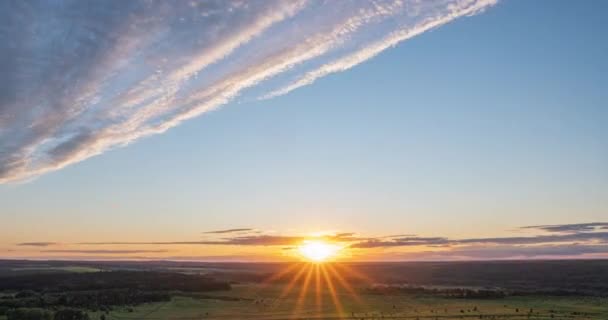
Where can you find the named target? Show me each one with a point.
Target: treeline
(68, 296)
(584, 277)
(96, 300)
(42, 314)
(460, 293)
(140, 280)
(467, 293)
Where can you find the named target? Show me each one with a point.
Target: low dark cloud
(573, 240)
(245, 240)
(402, 242)
(345, 234)
(601, 237)
(262, 240)
(511, 252)
(570, 237)
(230, 231)
(36, 244)
(105, 251)
(570, 228)
(256, 240)
(391, 241)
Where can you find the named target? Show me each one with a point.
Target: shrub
(29, 314)
(3, 310)
(71, 314)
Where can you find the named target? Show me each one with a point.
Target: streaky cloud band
(79, 78)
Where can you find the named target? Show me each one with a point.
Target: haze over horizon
(399, 130)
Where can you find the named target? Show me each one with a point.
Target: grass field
(265, 302)
(78, 269)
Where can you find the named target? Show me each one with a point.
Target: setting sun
(318, 251)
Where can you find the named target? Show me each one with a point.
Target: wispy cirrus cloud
(110, 251)
(247, 240)
(236, 230)
(570, 228)
(77, 79)
(37, 244)
(372, 49)
(601, 237)
(506, 252)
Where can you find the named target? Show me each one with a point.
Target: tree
(71, 314)
(3, 310)
(28, 314)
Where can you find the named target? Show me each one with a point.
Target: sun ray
(304, 289)
(291, 284)
(273, 278)
(282, 273)
(356, 274)
(344, 283)
(332, 292)
(318, 289)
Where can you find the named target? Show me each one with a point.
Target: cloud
(571, 228)
(79, 78)
(567, 250)
(402, 242)
(260, 240)
(105, 251)
(37, 244)
(230, 231)
(579, 232)
(250, 240)
(586, 243)
(597, 236)
(373, 49)
(406, 240)
(506, 252)
(601, 237)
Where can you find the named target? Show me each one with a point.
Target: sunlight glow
(318, 250)
(316, 282)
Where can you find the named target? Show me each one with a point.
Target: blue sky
(473, 129)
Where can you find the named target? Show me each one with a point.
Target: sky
(235, 130)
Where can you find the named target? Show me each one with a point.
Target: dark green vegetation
(68, 295)
(109, 280)
(172, 290)
(587, 278)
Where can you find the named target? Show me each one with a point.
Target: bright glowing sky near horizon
(235, 130)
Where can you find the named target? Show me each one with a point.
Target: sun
(318, 250)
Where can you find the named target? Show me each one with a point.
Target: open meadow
(265, 302)
(171, 290)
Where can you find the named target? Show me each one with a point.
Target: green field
(257, 302)
(78, 269)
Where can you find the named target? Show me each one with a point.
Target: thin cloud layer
(37, 244)
(508, 252)
(582, 242)
(570, 228)
(105, 251)
(423, 241)
(78, 78)
(230, 231)
(247, 240)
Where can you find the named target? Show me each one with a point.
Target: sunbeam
(332, 292)
(318, 289)
(344, 283)
(348, 270)
(304, 289)
(282, 273)
(291, 284)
